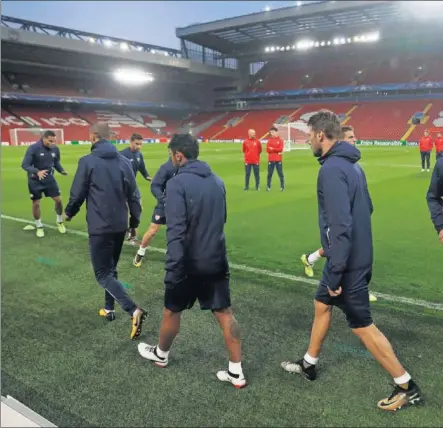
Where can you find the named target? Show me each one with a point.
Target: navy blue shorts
(212, 292)
(158, 216)
(354, 299)
(49, 188)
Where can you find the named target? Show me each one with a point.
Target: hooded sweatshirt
(345, 209)
(195, 209)
(105, 179)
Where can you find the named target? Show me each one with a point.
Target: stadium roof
(31, 47)
(249, 34)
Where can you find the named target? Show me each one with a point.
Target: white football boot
(238, 382)
(149, 352)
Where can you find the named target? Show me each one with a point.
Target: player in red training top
(308, 260)
(274, 147)
(252, 149)
(439, 145)
(426, 145)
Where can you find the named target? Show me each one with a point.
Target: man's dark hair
(327, 122)
(274, 128)
(101, 130)
(47, 134)
(346, 128)
(136, 137)
(186, 144)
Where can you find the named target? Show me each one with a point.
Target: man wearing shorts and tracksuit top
(345, 209)
(158, 189)
(196, 260)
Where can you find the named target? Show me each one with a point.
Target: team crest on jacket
(157, 217)
(53, 155)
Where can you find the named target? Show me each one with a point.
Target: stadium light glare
(322, 43)
(329, 43)
(316, 44)
(349, 40)
(124, 46)
(153, 51)
(336, 41)
(91, 40)
(342, 41)
(272, 49)
(107, 43)
(139, 48)
(267, 8)
(303, 45)
(298, 3)
(267, 49)
(132, 77)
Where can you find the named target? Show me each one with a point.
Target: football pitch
(60, 358)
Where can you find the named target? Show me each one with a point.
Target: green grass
(61, 360)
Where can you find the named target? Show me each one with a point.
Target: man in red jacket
(274, 147)
(439, 145)
(252, 150)
(426, 145)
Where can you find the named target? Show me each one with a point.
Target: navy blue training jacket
(105, 179)
(195, 210)
(137, 162)
(158, 183)
(38, 157)
(435, 196)
(345, 209)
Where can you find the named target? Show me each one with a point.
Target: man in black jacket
(41, 160)
(158, 189)
(345, 209)
(435, 198)
(135, 156)
(105, 179)
(196, 260)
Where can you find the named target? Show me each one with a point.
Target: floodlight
(316, 44)
(107, 43)
(124, 46)
(336, 41)
(130, 76)
(267, 49)
(329, 43)
(322, 43)
(91, 40)
(299, 3)
(267, 8)
(349, 40)
(272, 49)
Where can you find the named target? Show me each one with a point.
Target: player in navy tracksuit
(135, 156)
(40, 161)
(345, 209)
(196, 260)
(105, 179)
(435, 198)
(158, 189)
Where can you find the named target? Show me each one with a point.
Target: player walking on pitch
(275, 147)
(435, 198)
(345, 209)
(196, 260)
(135, 156)
(439, 146)
(40, 161)
(252, 149)
(309, 260)
(158, 189)
(105, 179)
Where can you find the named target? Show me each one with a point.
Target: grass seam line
(264, 272)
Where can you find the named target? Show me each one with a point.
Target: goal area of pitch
(294, 135)
(26, 136)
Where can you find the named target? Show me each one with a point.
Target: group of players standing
(191, 201)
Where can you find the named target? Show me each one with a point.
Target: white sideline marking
(244, 268)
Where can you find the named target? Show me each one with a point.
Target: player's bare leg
(170, 326)
(146, 240)
(232, 336)
(58, 206)
(406, 391)
(320, 328)
(36, 213)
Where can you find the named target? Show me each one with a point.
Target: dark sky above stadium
(144, 21)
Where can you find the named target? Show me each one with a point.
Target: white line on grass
(264, 272)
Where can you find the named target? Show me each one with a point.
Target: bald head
(251, 133)
(100, 131)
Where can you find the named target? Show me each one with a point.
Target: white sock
(314, 257)
(141, 251)
(59, 218)
(235, 368)
(310, 360)
(402, 379)
(38, 223)
(160, 353)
